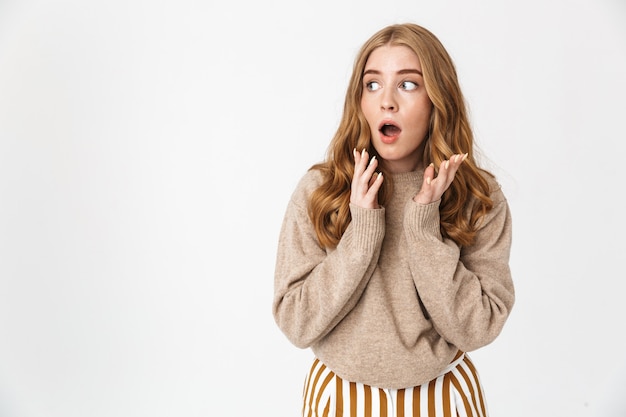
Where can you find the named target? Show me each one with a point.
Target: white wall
(147, 152)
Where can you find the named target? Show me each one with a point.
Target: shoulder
(308, 183)
(495, 188)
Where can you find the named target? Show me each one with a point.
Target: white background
(148, 150)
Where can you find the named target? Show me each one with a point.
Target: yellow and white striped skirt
(455, 393)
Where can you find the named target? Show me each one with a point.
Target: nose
(388, 100)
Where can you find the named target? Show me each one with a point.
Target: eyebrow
(404, 71)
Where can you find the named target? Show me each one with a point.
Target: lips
(389, 131)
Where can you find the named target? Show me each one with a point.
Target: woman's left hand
(434, 187)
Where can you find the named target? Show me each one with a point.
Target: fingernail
(464, 157)
(447, 164)
(428, 180)
(372, 160)
(363, 152)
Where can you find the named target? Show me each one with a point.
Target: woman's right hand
(365, 184)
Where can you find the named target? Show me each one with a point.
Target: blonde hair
(464, 202)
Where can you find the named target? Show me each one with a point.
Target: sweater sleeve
(314, 288)
(467, 292)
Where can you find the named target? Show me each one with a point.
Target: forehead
(392, 58)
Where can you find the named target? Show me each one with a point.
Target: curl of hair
(467, 199)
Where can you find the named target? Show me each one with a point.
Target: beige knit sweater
(393, 303)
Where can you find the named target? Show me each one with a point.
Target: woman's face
(396, 106)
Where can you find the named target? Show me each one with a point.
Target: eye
(408, 85)
(372, 85)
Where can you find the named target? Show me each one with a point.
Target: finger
(374, 187)
(371, 167)
(357, 159)
(374, 177)
(445, 164)
(360, 161)
(363, 172)
(429, 174)
(448, 170)
(454, 163)
(458, 159)
(368, 172)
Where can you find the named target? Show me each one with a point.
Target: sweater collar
(408, 177)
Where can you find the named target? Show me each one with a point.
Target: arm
(315, 288)
(467, 292)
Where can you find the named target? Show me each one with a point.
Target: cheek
(421, 122)
(424, 109)
(367, 112)
(427, 114)
(428, 107)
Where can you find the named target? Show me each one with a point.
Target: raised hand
(365, 185)
(434, 187)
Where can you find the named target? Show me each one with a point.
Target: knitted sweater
(393, 303)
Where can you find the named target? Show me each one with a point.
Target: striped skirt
(455, 393)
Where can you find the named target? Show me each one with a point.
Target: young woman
(393, 257)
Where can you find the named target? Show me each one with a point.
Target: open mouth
(389, 129)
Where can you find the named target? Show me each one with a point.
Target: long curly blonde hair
(466, 200)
